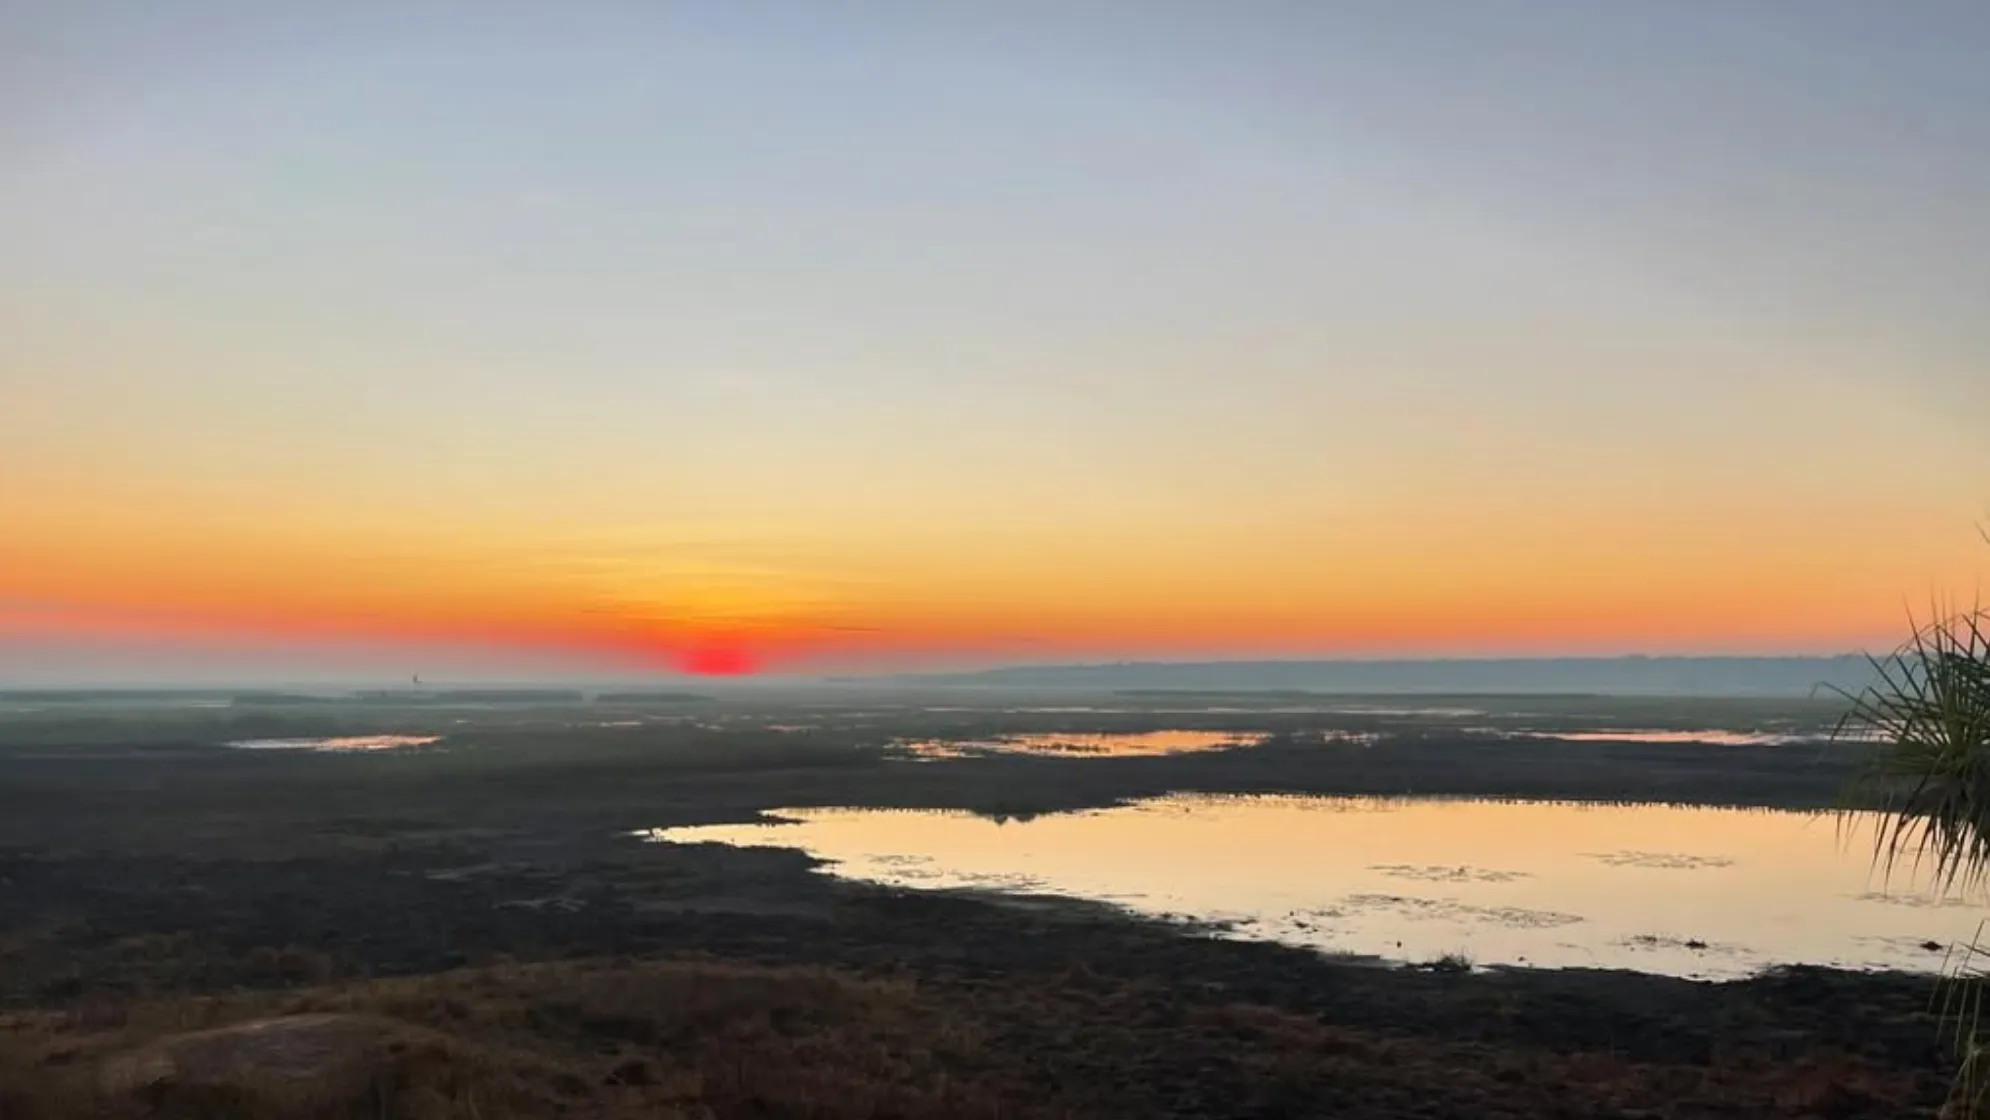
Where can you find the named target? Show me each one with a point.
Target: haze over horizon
(604, 339)
(1598, 676)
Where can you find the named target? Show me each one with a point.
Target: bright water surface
(1086, 744)
(338, 743)
(1710, 736)
(1686, 891)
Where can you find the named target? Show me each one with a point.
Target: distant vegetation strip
(110, 695)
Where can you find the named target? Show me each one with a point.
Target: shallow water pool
(1085, 744)
(338, 743)
(1686, 891)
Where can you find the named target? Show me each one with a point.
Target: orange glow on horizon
(819, 596)
(1403, 627)
(719, 660)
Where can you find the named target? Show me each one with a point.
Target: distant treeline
(1218, 693)
(110, 695)
(650, 698)
(477, 696)
(278, 699)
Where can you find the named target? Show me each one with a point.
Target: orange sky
(818, 596)
(697, 338)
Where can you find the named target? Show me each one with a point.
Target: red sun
(717, 661)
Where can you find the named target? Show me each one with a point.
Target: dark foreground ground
(468, 931)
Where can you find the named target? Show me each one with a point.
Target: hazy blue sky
(893, 330)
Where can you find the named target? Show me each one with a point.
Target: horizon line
(585, 681)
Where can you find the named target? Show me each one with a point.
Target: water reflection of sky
(1710, 736)
(1687, 891)
(1085, 744)
(338, 743)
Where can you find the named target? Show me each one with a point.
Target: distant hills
(1630, 676)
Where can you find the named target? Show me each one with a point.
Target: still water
(1113, 744)
(1686, 891)
(1710, 737)
(338, 743)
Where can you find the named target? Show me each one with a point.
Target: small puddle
(1709, 736)
(338, 743)
(1405, 713)
(1071, 744)
(1701, 892)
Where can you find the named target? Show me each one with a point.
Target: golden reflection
(1692, 891)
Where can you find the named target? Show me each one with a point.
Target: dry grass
(683, 1039)
(604, 1040)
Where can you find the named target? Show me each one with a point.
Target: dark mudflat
(137, 874)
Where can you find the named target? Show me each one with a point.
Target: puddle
(338, 743)
(1685, 891)
(1709, 736)
(1125, 744)
(1074, 709)
(1406, 713)
(1085, 744)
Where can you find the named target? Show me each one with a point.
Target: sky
(520, 338)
